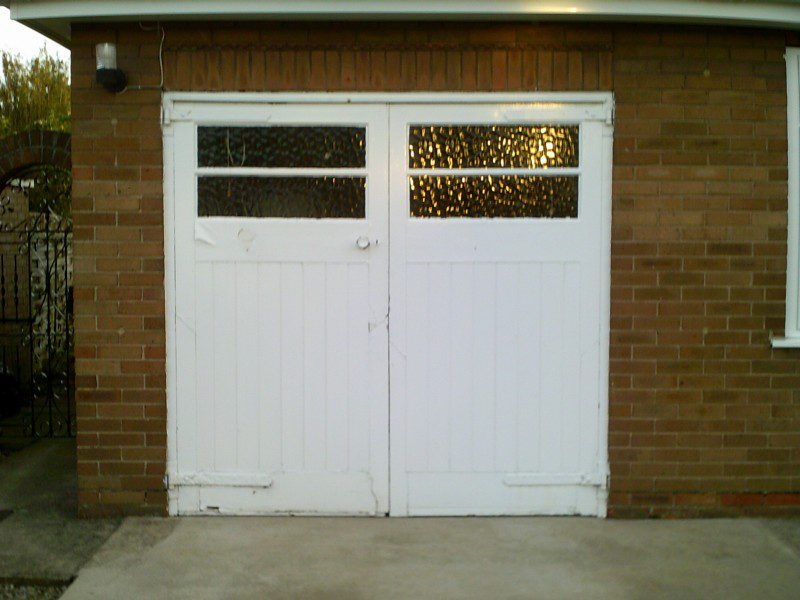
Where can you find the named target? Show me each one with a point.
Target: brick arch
(33, 148)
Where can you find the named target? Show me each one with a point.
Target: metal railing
(36, 328)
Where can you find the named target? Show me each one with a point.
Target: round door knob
(363, 242)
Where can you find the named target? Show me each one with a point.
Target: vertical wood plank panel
(183, 75)
(318, 77)
(213, 69)
(438, 70)
(453, 70)
(199, 72)
(272, 59)
(225, 409)
(362, 72)
(248, 398)
(258, 70)
(394, 71)
(530, 77)
(499, 70)
(314, 346)
(514, 70)
(171, 67)
(469, 71)
(270, 367)
(545, 70)
(591, 71)
(377, 70)
(358, 357)
(529, 362)
(438, 392)
(484, 58)
(333, 69)
(571, 404)
(552, 383)
(423, 70)
(606, 71)
(292, 371)
(288, 70)
(417, 368)
(483, 365)
(507, 351)
(227, 68)
(337, 407)
(408, 66)
(348, 69)
(461, 349)
(243, 78)
(302, 62)
(575, 70)
(560, 71)
(204, 389)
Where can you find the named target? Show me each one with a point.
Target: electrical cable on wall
(160, 85)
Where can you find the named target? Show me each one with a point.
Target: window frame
(277, 172)
(791, 337)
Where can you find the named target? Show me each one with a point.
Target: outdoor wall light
(112, 78)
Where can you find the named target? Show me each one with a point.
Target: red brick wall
(704, 415)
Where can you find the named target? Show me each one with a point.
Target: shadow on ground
(41, 538)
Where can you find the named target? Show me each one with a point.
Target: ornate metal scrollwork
(36, 321)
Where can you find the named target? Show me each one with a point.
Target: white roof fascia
(56, 15)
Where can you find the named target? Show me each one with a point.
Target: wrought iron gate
(36, 323)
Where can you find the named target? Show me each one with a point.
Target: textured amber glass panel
(476, 146)
(509, 196)
(282, 197)
(281, 146)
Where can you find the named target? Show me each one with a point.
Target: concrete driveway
(41, 537)
(287, 557)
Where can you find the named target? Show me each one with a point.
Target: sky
(19, 39)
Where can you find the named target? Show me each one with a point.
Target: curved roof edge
(53, 17)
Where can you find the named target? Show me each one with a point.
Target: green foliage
(49, 189)
(33, 94)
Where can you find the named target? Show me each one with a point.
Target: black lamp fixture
(112, 78)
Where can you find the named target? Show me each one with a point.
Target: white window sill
(785, 342)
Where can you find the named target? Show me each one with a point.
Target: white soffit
(52, 17)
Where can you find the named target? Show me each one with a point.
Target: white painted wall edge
(55, 15)
(792, 326)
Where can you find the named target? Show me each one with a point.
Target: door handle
(363, 242)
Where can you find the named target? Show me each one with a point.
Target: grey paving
(42, 538)
(286, 557)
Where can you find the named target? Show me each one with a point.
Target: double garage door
(387, 308)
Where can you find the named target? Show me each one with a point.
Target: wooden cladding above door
(402, 57)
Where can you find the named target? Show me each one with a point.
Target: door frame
(573, 106)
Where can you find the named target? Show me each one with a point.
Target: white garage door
(363, 285)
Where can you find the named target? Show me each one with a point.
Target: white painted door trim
(578, 105)
(562, 107)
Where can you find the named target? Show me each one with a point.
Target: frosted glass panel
(492, 146)
(282, 197)
(496, 197)
(281, 146)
